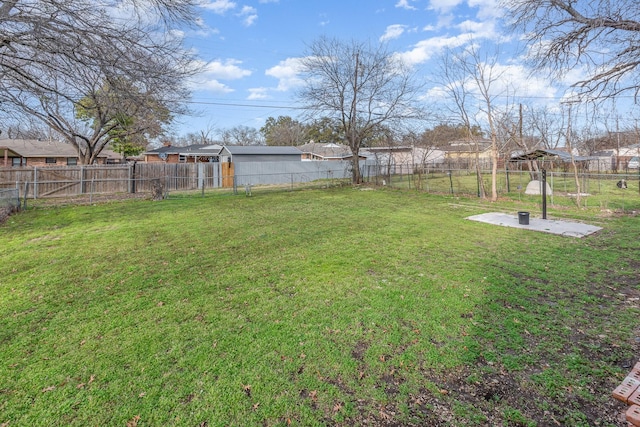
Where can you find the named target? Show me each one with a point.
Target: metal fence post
(82, 189)
(35, 182)
(544, 194)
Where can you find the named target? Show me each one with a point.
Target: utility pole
(355, 150)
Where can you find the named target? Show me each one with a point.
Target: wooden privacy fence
(42, 182)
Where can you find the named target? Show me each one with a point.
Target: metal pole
(508, 183)
(26, 192)
(35, 182)
(544, 194)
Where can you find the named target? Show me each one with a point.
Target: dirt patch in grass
(557, 387)
(87, 199)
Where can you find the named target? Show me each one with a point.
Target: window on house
(16, 161)
(72, 161)
(182, 158)
(50, 160)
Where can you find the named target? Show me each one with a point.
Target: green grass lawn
(318, 307)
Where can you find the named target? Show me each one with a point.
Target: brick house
(33, 152)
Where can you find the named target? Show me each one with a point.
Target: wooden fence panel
(13, 177)
(176, 176)
(100, 179)
(56, 182)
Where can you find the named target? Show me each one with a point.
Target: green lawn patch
(318, 307)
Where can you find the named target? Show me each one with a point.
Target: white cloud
(443, 5)
(214, 71)
(517, 81)
(176, 34)
(219, 6)
(405, 4)
(287, 72)
(257, 93)
(227, 70)
(480, 30)
(427, 49)
(445, 20)
(212, 86)
(393, 32)
(203, 29)
(508, 84)
(488, 9)
(249, 15)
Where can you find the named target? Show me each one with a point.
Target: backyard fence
(9, 199)
(71, 181)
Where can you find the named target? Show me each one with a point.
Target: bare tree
(470, 79)
(202, 136)
(361, 86)
(602, 36)
(452, 76)
(545, 126)
(242, 135)
(56, 54)
(28, 129)
(569, 144)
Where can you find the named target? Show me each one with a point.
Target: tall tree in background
(56, 53)
(601, 36)
(443, 133)
(126, 124)
(361, 86)
(325, 130)
(283, 131)
(241, 135)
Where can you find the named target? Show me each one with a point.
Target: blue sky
(251, 49)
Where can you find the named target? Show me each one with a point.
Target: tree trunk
(355, 169)
(157, 192)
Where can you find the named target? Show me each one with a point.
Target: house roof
(261, 150)
(49, 148)
(466, 146)
(390, 149)
(190, 150)
(36, 148)
(327, 151)
(8, 152)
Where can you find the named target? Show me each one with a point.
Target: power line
(234, 104)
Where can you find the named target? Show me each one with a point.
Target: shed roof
(466, 146)
(550, 154)
(262, 150)
(327, 151)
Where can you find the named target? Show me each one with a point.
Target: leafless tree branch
(603, 37)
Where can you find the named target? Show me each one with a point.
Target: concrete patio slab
(563, 228)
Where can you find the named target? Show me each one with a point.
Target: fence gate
(209, 175)
(56, 182)
(227, 175)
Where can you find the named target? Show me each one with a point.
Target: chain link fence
(9, 202)
(607, 190)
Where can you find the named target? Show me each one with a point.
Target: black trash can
(523, 218)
